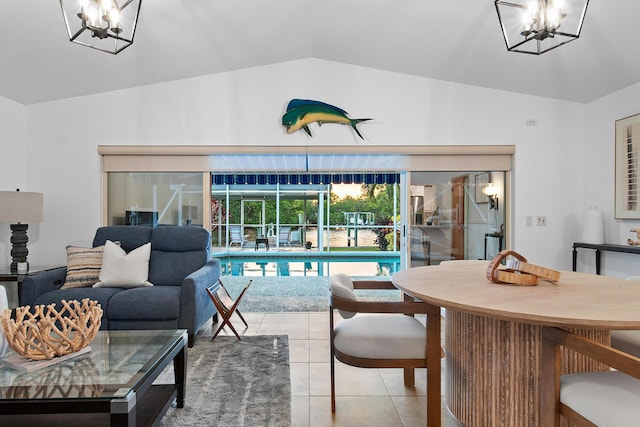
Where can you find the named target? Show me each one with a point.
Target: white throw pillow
(124, 270)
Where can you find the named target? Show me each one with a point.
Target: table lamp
(19, 209)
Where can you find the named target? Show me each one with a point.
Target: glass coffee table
(113, 384)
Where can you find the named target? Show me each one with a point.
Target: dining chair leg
(333, 363)
(434, 378)
(409, 377)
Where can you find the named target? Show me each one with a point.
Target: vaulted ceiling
(453, 40)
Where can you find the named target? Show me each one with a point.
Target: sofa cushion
(83, 266)
(154, 303)
(177, 252)
(124, 270)
(130, 237)
(102, 295)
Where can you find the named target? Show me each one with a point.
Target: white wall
(12, 162)
(599, 150)
(245, 107)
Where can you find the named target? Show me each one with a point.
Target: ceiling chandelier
(537, 26)
(106, 25)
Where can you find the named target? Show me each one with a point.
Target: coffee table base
(154, 405)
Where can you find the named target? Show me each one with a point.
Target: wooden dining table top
(578, 300)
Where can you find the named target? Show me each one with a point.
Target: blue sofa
(179, 267)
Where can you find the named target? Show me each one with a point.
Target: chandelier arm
(127, 3)
(80, 31)
(120, 38)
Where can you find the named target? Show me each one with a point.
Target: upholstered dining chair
(627, 340)
(386, 336)
(608, 398)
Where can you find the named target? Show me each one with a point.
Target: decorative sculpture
(632, 242)
(518, 271)
(301, 112)
(45, 332)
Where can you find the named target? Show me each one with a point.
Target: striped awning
(305, 178)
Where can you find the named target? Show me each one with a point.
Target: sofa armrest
(196, 306)
(46, 281)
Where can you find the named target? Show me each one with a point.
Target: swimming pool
(305, 264)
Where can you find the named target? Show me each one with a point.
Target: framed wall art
(627, 156)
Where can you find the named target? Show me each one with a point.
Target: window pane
(456, 215)
(154, 198)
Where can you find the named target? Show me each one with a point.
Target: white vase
(4, 304)
(593, 226)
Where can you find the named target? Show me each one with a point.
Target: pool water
(314, 265)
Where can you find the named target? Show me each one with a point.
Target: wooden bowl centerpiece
(44, 332)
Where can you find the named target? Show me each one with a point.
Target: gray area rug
(290, 293)
(280, 294)
(235, 383)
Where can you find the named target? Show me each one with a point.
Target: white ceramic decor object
(593, 226)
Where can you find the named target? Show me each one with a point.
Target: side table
(262, 240)
(6, 275)
(496, 235)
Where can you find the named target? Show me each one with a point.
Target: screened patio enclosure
(293, 211)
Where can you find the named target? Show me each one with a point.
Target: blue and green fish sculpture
(301, 112)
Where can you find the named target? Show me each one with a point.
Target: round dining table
(493, 333)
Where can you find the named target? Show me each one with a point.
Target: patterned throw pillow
(83, 266)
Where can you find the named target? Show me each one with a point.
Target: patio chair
(394, 339)
(226, 306)
(283, 236)
(236, 236)
(610, 397)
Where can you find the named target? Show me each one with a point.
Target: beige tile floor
(364, 397)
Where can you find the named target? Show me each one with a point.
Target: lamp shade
(21, 207)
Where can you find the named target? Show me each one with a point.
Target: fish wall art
(301, 112)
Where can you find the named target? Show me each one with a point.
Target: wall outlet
(541, 220)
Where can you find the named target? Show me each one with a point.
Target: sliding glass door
(426, 203)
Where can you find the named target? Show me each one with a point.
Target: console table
(602, 247)
(496, 235)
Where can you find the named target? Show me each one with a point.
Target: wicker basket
(46, 332)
